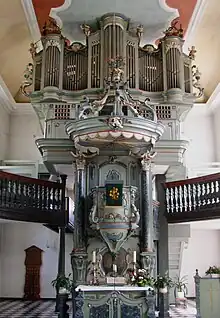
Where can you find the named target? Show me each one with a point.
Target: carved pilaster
(148, 260)
(150, 301)
(197, 289)
(78, 302)
(79, 261)
(147, 203)
(79, 240)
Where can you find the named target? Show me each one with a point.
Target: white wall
(23, 131)
(198, 129)
(216, 126)
(203, 251)
(16, 237)
(4, 132)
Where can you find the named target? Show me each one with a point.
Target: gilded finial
(86, 29)
(173, 30)
(51, 27)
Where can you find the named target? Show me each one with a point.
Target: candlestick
(114, 268)
(135, 257)
(94, 256)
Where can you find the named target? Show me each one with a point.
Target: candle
(94, 256)
(114, 268)
(134, 256)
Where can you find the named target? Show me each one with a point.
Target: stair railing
(192, 195)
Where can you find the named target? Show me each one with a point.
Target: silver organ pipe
(95, 64)
(187, 74)
(113, 44)
(52, 64)
(75, 70)
(130, 63)
(173, 68)
(37, 72)
(150, 71)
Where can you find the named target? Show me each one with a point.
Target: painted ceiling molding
(190, 12)
(195, 19)
(154, 15)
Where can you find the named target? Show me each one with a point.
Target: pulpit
(114, 301)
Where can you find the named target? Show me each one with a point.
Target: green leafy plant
(180, 284)
(163, 281)
(213, 270)
(63, 281)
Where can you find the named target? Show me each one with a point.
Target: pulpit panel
(112, 172)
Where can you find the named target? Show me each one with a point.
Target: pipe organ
(75, 67)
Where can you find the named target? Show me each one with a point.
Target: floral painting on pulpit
(114, 192)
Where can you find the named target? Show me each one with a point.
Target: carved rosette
(115, 223)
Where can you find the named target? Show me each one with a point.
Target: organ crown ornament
(51, 27)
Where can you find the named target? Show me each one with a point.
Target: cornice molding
(193, 23)
(23, 109)
(32, 22)
(6, 99)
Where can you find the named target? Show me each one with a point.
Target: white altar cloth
(90, 288)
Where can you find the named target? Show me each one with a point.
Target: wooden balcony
(193, 199)
(32, 200)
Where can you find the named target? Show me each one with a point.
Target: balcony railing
(193, 199)
(33, 200)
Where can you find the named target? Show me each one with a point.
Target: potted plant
(213, 271)
(162, 283)
(180, 287)
(141, 278)
(63, 284)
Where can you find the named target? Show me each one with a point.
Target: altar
(114, 301)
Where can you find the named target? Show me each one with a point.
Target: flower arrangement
(141, 278)
(213, 270)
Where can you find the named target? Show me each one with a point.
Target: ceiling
(15, 39)
(15, 36)
(207, 42)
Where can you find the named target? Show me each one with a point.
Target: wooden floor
(45, 309)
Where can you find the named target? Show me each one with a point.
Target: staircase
(175, 255)
(178, 238)
(193, 199)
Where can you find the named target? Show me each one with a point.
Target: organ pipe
(78, 66)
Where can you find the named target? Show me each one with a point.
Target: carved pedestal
(79, 261)
(148, 260)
